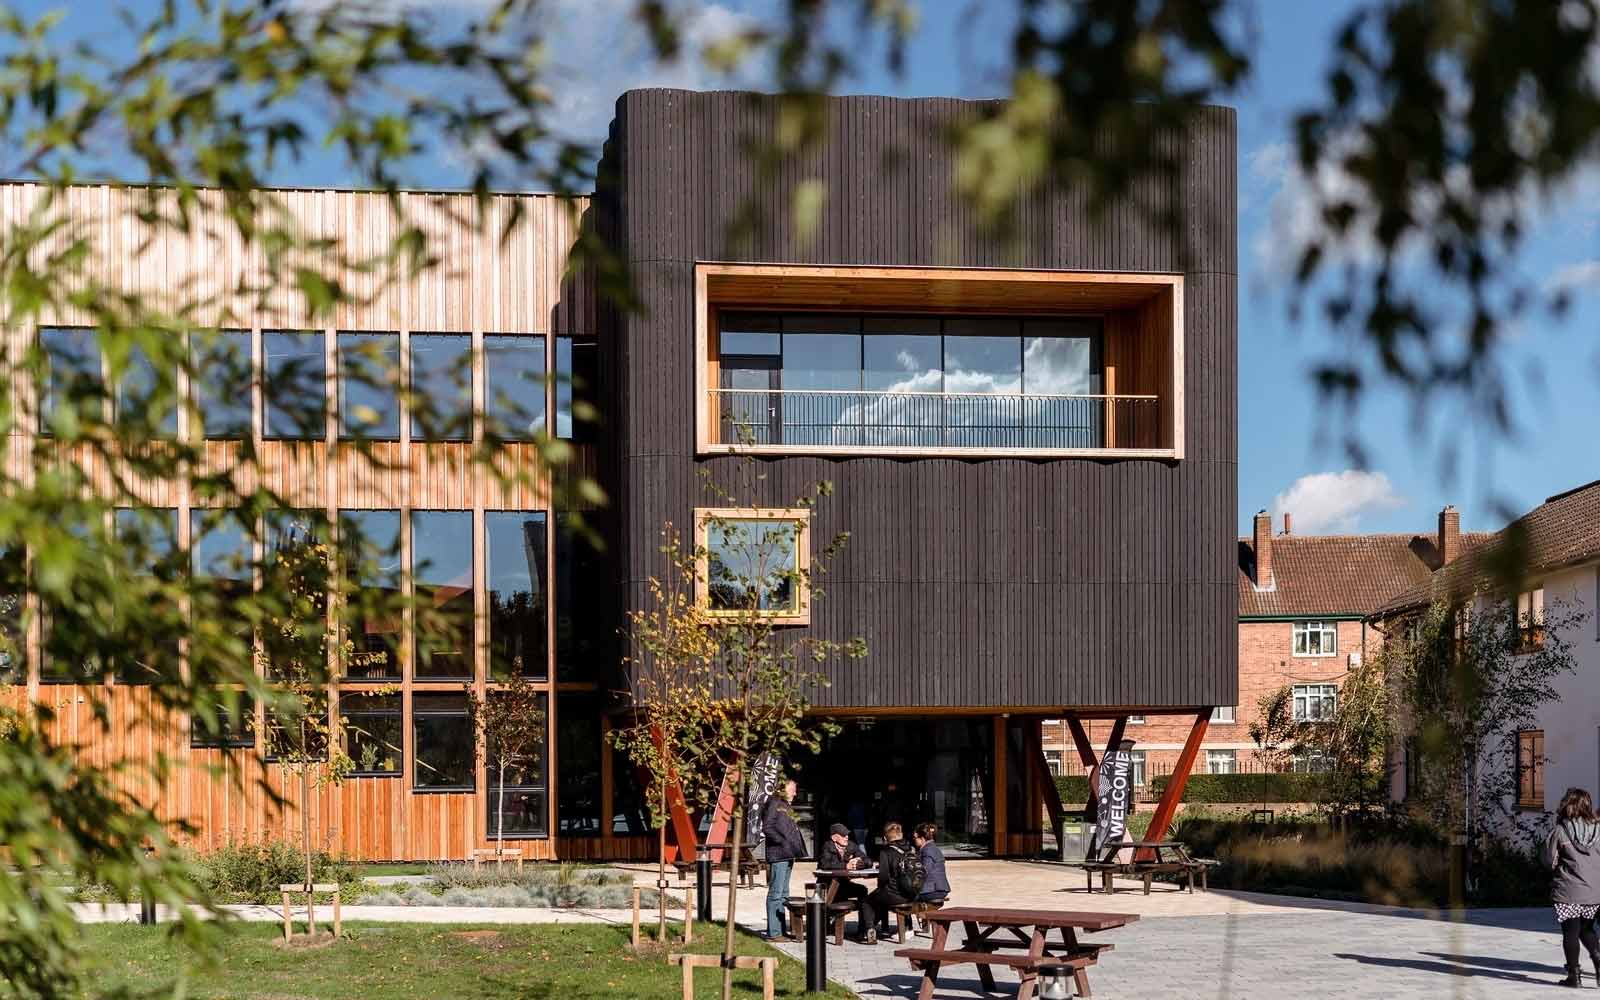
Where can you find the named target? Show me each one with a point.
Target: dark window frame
(397, 713)
(317, 422)
(198, 355)
(226, 739)
(419, 662)
(458, 423)
(354, 360)
(417, 716)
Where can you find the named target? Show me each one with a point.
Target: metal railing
(865, 419)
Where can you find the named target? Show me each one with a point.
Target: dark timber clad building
(1032, 441)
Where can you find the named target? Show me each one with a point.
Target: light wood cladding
(507, 275)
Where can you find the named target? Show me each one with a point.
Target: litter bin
(1075, 839)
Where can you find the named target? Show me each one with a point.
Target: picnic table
(1016, 938)
(1146, 860)
(749, 866)
(837, 912)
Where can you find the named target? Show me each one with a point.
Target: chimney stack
(1449, 535)
(1263, 550)
(1286, 522)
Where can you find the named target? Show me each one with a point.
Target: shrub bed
(251, 873)
(562, 886)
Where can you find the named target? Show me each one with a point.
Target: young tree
(1274, 732)
(1353, 743)
(510, 723)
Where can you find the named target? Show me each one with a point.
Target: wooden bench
(1146, 871)
(930, 960)
(749, 867)
(908, 913)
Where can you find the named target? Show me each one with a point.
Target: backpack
(909, 873)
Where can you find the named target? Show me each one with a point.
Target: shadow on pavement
(1491, 962)
(1446, 968)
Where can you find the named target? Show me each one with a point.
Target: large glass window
(754, 561)
(924, 381)
(441, 386)
(581, 633)
(142, 403)
(73, 385)
(444, 743)
(13, 602)
(514, 385)
(578, 748)
(373, 726)
(148, 539)
(233, 724)
(515, 546)
(221, 559)
(222, 382)
(296, 572)
(369, 378)
(524, 808)
(294, 384)
(69, 652)
(441, 568)
(369, 542)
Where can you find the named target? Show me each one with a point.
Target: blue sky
(1290, 448)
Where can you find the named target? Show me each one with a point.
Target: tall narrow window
(222, 561)
(1530, 620)
(581, 634)
(578, 749)
(444, 743)
(577, 371)
(1530, 769)
(373, 727)
(13, 602)
(296, 574)
(148, 540)
(515, 546)
(1061, 379)
(74, 384)
(982, 382)
(69, 652)
(441, 568)
(369, 542)
(369, 379)
(222, 391)
(441, 386)
(903, 368)
(514, 386)
(821, 380)
(524, 809)
(294, 384)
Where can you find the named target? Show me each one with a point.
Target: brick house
(1302, 602)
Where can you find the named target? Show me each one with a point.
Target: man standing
(782, 843)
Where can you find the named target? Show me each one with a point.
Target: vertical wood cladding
(1006, 582)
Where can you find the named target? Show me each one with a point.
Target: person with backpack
(900, 879)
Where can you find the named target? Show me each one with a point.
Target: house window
(369, 545)
(1315, 702)
(1138, 767)
(233, 725)
(73, 386)
(442, 571)
(513, 386)
(369, 376)
(222, 377)
(445, 744)
(1223, 714)
(294, 384)
(754, 561)
(515, 545)
(1530, 620)
(148, 539)
(373, 733)
(1310, 762)
(1315, 638)
(1052, 760)
(1222, 762)
(441, 386)
(1530, 769)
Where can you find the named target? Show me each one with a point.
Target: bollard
(702, 888)
(147, 909)
(816, 943)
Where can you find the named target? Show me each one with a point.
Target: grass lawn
(393, 961)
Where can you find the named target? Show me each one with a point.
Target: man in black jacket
(841, 853)
(878, 904)
(782, 844)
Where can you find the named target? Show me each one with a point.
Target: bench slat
(992, 958)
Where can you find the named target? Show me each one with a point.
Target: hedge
(1074, 790)
(1248, 787)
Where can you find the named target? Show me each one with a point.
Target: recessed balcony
(812, 360)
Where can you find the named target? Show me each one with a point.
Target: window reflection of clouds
(751, 561)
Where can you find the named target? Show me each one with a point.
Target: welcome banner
(1114, 791)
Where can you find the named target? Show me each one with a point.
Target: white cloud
(1573, 277)
(1334, 502)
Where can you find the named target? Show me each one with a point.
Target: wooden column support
(999, 825)
(1173, 794)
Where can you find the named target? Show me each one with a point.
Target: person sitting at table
(900, 878)
(935, 883)
(841, 853)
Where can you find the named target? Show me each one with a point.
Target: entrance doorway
(910, 770)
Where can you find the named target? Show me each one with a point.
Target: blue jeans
(778, 873)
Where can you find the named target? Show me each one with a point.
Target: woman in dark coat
(1573, 851)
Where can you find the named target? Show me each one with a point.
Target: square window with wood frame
(753, 561)
(1530, 769)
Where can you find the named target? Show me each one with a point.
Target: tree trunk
(500, 819)
(661, 869)
(305, 830)
(733, 890)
